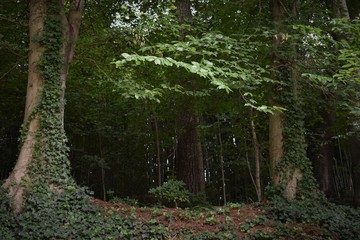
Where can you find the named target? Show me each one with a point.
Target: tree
(290, 168)
(43, 155)
(189, 157)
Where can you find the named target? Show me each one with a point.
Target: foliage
(212, 236)
(50, 162)
(110, 114)
(259, 228)
(172, 191)
(7, 218)
(127, 200)
(199, 201)
(295, 155)
(69, 215)
(228, 63)
(342, 220)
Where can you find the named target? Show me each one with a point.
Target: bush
(172, 191)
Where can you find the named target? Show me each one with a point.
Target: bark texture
(276, 150)
(282, 174)
(257, 157)
(276, 129)
(189, 154)
(14, 182)
(189, 158)
(71, 23)
(340, 8)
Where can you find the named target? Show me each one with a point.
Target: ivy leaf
(125, 55)
(157, 61)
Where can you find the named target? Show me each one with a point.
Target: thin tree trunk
(158, 150)
(257, 157)
(102, 166)
(250, 172)
(222, 164)
(200, 160)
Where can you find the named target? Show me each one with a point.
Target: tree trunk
(276, 131)
(32, 118)
(189, 154)
(158, 150)
(276, 150)
(189, 158)
(287, 174)
(325, 162)
(257, 157)
(13, 182)
(340, 8)
(222, 165)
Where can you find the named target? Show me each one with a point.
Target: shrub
(172, 191)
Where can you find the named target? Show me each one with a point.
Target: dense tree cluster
(230, 97)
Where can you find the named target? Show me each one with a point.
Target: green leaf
(125, 55)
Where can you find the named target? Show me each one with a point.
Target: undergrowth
(49, 214)
(53, 214)
(344, 221)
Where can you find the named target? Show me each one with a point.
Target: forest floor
(236, 221)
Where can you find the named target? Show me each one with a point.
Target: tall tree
(43, 155)
(276, 139)
(289, 165)
(189, 157)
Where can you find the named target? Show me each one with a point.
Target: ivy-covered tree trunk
(289, 165)
(189, 158)
(43, 153)
(276, 128)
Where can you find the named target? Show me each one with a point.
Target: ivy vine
(50, 155)
(295, 156)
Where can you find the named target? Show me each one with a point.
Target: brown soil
(241, 220)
